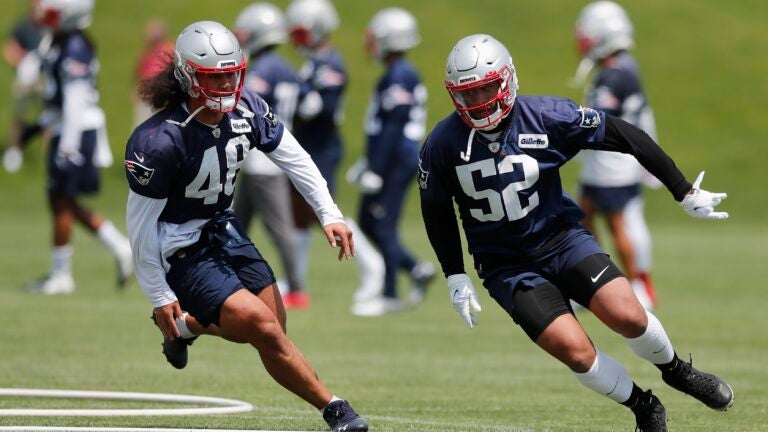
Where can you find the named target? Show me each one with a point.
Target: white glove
(701, 204)
(13, 158)
(370, 182)
(464, 298)
(356, 170)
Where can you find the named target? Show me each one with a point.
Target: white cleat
(377, 306)
(54, 284)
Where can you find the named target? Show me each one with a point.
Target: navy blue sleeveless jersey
(195, 167)
(509, 193)
(276, 82)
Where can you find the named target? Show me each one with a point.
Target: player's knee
(580, 359)
(631, 322)
(268, 334)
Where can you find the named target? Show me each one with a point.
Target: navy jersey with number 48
(195, 167)
(509, 191)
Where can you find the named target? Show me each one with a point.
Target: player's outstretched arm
(700, 203)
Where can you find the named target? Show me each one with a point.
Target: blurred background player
(194, 260)
(324, 77)
(78, 145)
(610, 182)
(264, 188)
(157, 52)
(394, 126)
(20, 51)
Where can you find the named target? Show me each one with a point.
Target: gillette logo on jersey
(535, 141)
(239, 125)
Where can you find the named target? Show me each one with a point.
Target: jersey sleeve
(437, 210)
(266, 128)
(151, 162)
(576, 126)
(612, 88)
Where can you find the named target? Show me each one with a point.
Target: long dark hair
(162, 90)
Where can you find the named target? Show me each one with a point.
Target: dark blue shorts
(537, 291)
(205, 274)
(610, 199)
(73, 178)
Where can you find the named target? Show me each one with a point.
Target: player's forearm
(142, 215)
(443, 233)
(303, 173)
(625, 138)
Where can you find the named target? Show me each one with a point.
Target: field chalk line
(221, 405)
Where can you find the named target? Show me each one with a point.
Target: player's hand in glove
(464, 298)
(701, 204)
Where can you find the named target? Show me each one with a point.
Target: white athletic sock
(303, 244)
(334, 398)
(607, 377)
(61, 259)
(112, 238)
(653, 345)
(181, 324)
(369, 262)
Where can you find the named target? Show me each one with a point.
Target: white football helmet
(64, 15)
(602, 29)
(311, 21)
(259, 26)
(392, 30)
(476, 63)
(210, 65)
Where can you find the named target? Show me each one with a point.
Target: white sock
(303, 244)
(607, 377)
(61, 259)
(369, 261)
(112, 238)
(653, 345)
(181, 324)
(333, 399)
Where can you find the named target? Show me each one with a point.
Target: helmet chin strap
(189, 119)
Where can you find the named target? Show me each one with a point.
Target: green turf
(704, 68)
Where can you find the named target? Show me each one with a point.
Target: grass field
(421, 370)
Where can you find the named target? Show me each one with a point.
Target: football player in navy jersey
(394, 126)
(498, 158)
(193, 258)
(610, 182)
(78, 146)
(319, 113)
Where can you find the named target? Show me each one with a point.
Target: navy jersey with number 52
(509, 191)
(195, 167)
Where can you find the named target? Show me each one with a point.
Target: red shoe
(650, 290)
(296, 300)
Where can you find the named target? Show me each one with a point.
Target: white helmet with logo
(206, 54)
(477, 62)
(602, 29)
(392, 30)
(64, 15)
(260, 25)
(311, 21)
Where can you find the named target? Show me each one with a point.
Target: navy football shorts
(72, 178)
(205, 274)
(610, 199)
(538, 291)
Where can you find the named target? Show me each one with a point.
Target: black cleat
(709, 389)
(175, 350)
(650, 415)
(342, 418)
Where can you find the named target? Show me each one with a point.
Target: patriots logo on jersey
(589, 117)
(141, 173)
(269, 115)
(423, 177)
